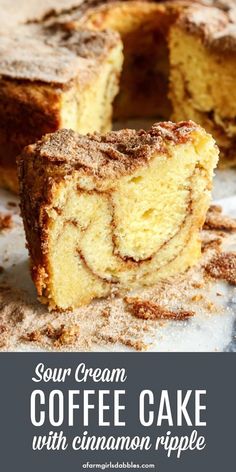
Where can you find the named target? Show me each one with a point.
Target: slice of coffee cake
(51, 79)
(121, 210)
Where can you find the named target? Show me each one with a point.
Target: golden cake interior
(122, 232)
(89, 108)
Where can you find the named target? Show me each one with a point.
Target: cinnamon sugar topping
(106, 156)
(223, 266)
(216, 221)
(148, 310)
(53, 55)
(62, 336)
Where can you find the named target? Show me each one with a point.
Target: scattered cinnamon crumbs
(137, 345)
(106, 312)
(197, 284)
(5, 221)
(216, 221)
(34, 336)
(2, 329)
(148, 310)
(215, 208)
(215, 244)
(62, 336)
(223, 266)
(210, 306)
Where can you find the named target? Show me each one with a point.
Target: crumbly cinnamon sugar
(215, 26)
(149, 310)
(223, 266)
(215, 220)
(5, 221)
(62, 336)
(214, 243)
(33, 336)
(53, 55)
(106, 312)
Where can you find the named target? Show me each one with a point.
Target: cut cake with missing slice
(119, 210)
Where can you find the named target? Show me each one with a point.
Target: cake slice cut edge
(203, 74)
(121, 210)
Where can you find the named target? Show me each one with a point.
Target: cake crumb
(214, 244)
(106, 312)
(5, 221)
(148, 310)
(197, 297)
(34, 336)
(223, 266)
(2, 329)
(137, 345)
(197, 284)
(216, 221)
(210, 306)
(64, 335)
